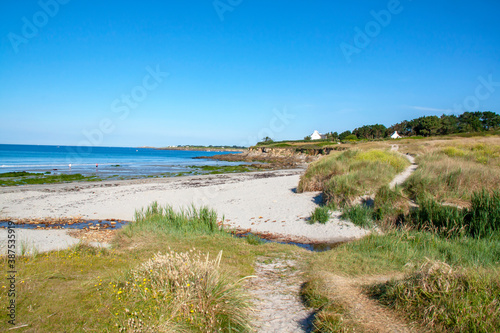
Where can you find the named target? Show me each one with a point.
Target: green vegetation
(479, 221)
(218, 169)
(345, 176)
(26, 178)
(253, 240)
(332, 316)
(440, 260)
(445, 298)
(403, 250)
(360, 215)
(439, 302)
(153, 279)
(320, 215)
(158, 219)
(468, 122)
(390, 205)
(17, 174)
(182, 292)
(451, 173)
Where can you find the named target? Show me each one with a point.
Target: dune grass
(89, 289)
(320, 214)
(481, 220)
(446, 298)
(158, 219)
(184, 291)
(345, 176)
(360, 215)
(407, 252)
(452, 173)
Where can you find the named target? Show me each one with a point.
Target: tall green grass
(390, 206)
(401, 250)
(320, 214)
(192, 220)
(481, 220)
(360, 215)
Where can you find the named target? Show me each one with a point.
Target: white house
(317, 136)
(396, 135)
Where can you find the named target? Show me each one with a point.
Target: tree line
(479, 121)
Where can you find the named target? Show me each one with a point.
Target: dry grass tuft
(187, 291)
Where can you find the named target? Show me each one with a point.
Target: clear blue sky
(79, 72)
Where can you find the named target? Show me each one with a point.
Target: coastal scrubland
(437, 248)
(169, 271)
(432, 262)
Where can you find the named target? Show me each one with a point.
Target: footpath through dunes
(276, 287)
(401, 178)
(364, 311)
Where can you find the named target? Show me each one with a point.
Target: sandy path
(261, 201)
(403, 176)
(367, 312)
(276, 289)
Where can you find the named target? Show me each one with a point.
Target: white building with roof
(395, 135)
(317, 136)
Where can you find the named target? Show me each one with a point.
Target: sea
(104, 161)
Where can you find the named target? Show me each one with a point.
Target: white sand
(28, 241)
(262, 202)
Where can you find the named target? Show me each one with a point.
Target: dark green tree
(449, 124)
(343, 135)
(470, 122)
(490, 120)
(427, 126)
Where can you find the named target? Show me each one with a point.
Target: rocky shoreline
(271, 158)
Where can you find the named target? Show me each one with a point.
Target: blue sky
(158, 73)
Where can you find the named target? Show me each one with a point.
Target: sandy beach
(264, 202)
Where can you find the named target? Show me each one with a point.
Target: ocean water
(110, 160)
